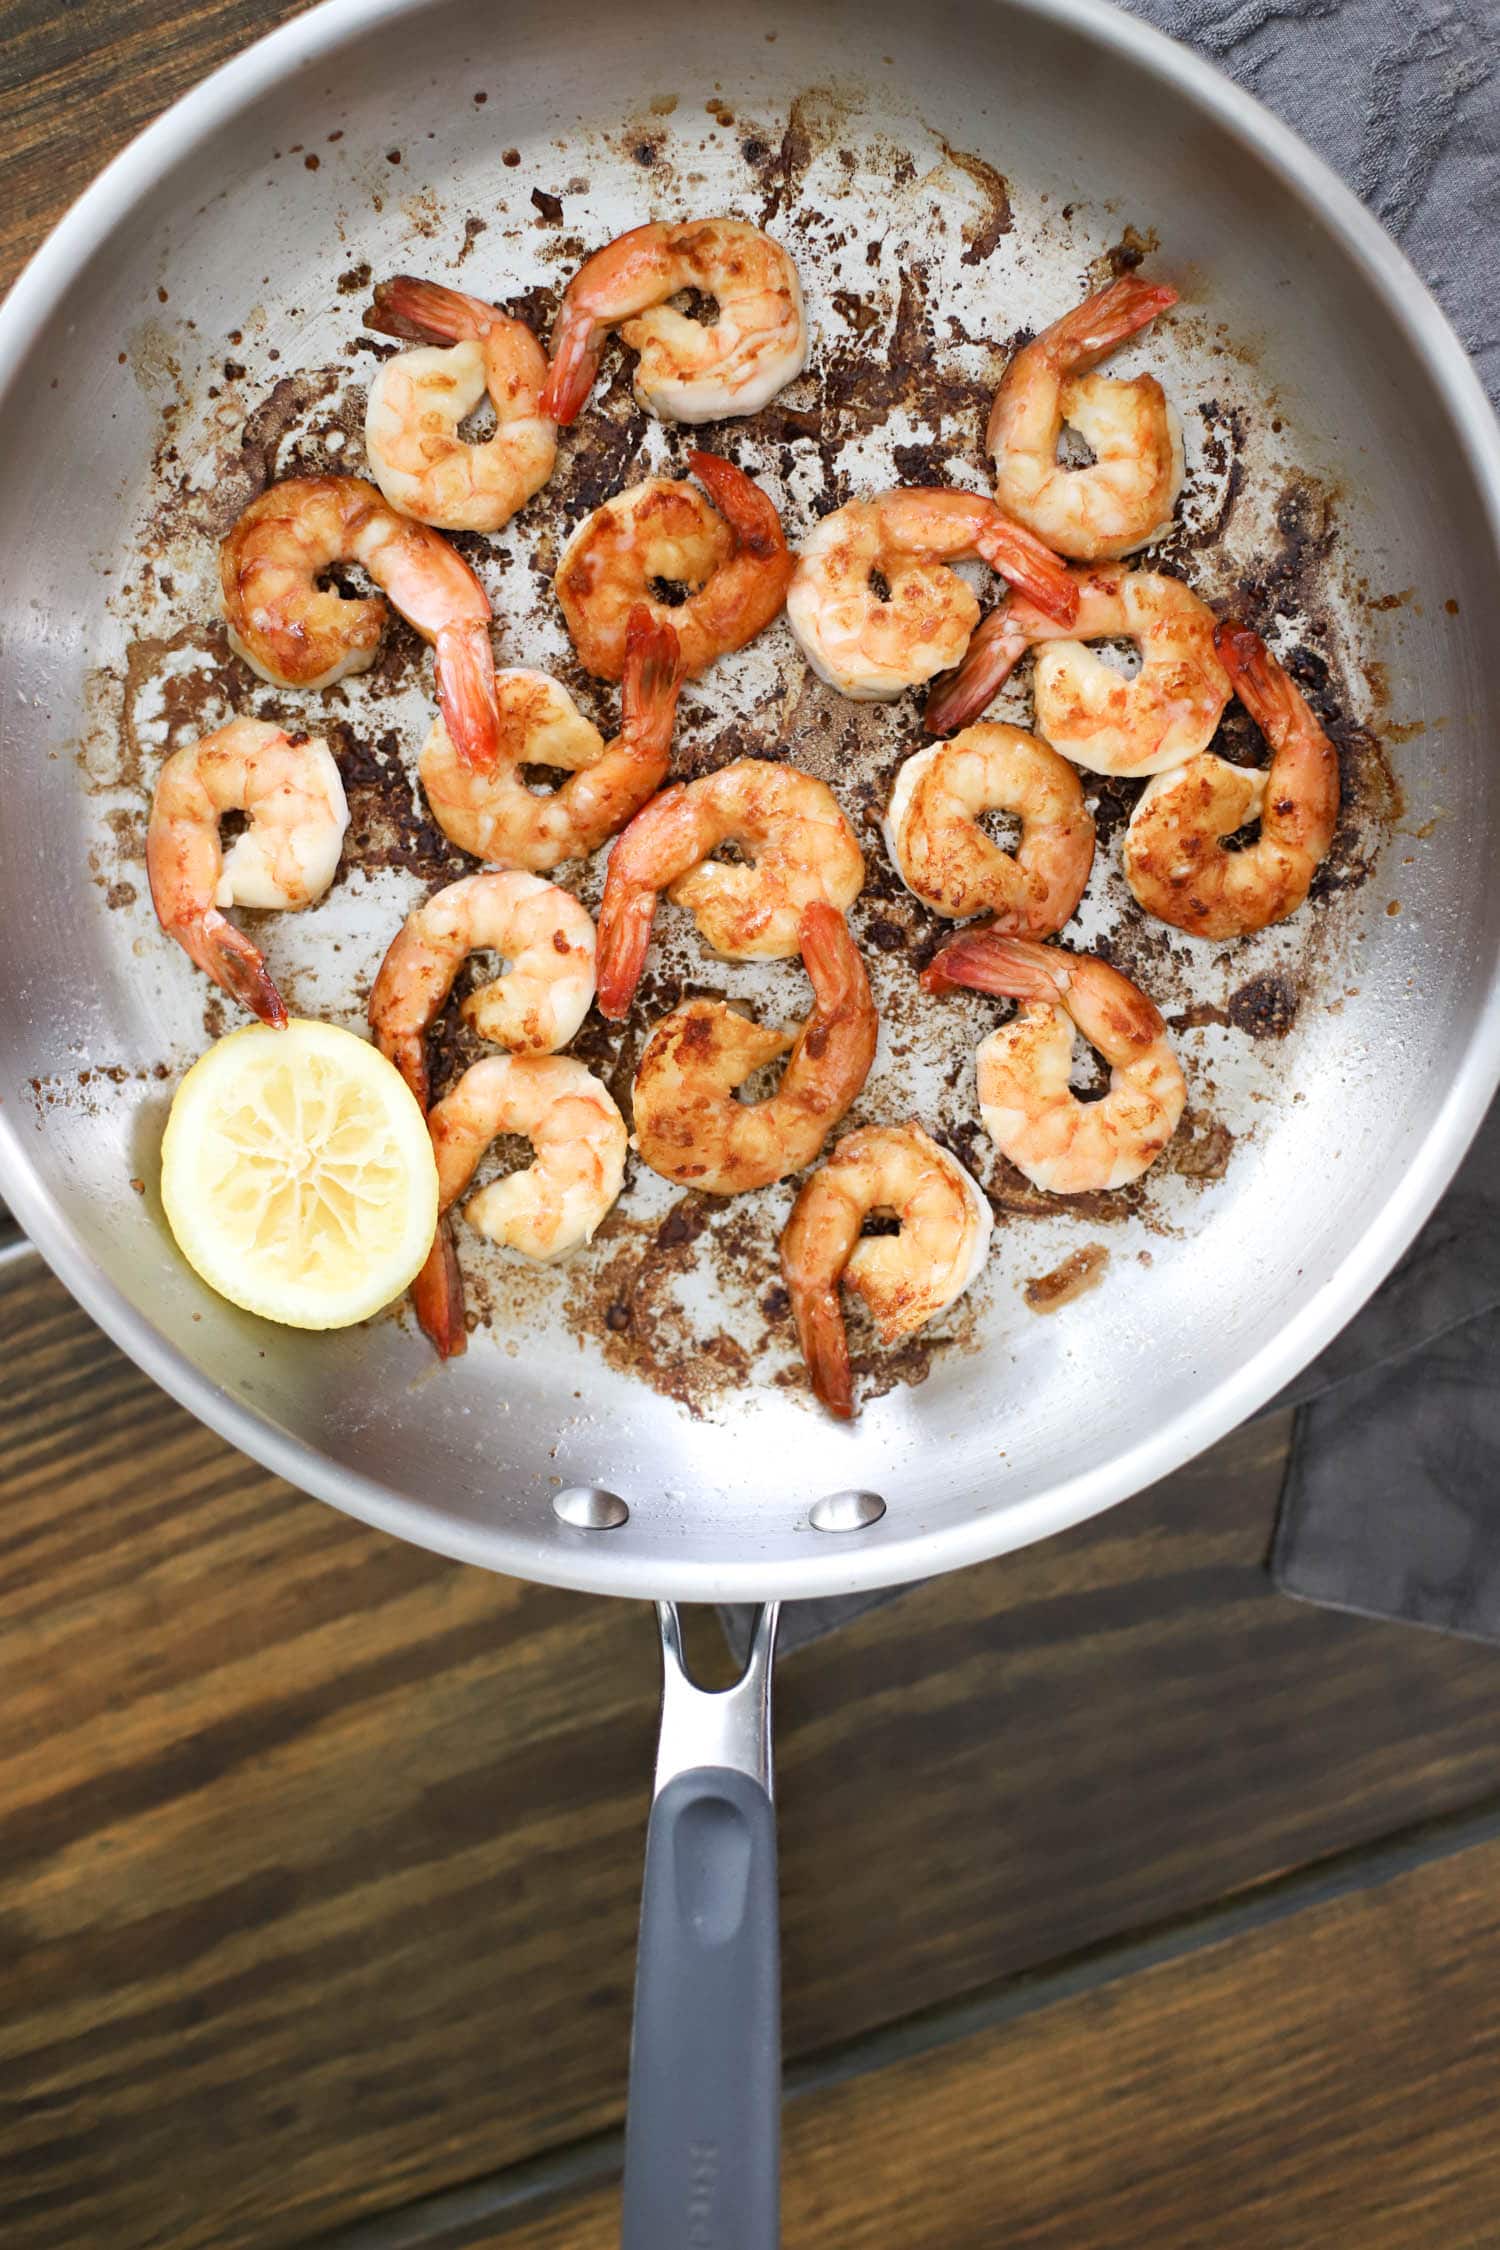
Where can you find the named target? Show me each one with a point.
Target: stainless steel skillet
(850, 118)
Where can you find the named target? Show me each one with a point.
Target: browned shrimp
(418, 400)
(904, 1278)
(689, 1126)
(500, 817)
(286, 856)
(1175, 861)
(688, 370)
(733, 557)
(798, 844)
(1126, 495)
(294, 632)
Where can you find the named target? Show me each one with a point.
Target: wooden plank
(1331, 2080)
(78, 80)
(319, 1857)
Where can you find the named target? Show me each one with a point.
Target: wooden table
(1124, 1900)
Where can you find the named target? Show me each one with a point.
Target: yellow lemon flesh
(298, 1176)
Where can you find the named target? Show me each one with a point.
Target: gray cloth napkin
(1392, 1499)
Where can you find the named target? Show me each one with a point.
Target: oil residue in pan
(908, 251)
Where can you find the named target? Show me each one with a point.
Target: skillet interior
(1314, 1149)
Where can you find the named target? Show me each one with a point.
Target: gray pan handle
(703, 2130)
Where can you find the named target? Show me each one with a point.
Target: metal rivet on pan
(588, 1507)
(846, 1511)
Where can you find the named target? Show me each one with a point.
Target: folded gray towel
(1392, 1499)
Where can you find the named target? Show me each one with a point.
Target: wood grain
(319, 1856)
(78, 80)
(1332, 2080)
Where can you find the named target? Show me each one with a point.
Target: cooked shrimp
(904, 1278)
(1175, 861)
(798, 847)
(1085, 708)
(285, 856)
(732, 557)
(869, 644)
(932, 828)
(688, 1125)
(543, 936)
(294, 633)
(687, 371)
(1125, 497)
(418, 399)
(574, 1127)
(499, 817)
(1063, 1145)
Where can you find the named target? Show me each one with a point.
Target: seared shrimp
(499, 817)
(871, 645)
(285, 856)
(574, 1127)
(733, 558)
(688, 1125)
(932, 828)
(418, 399)
(544, 938)
(904, 1278)
(1125, 497)
(1063, 1145)
(687, 371)
(1084, 707)
(294, 633)
(797, 844)
(1175, 861)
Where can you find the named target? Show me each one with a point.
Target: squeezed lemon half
(298, 1176)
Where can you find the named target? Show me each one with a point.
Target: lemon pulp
(298, 1174)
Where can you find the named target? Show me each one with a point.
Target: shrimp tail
(653, 675)
(576, 348)
(958, 697)
(1031, 566)
(1095, 328)
(227, 955)
(465, 667)
(750, 513)
(437, 1296)
(426, 312)
(835, 966)
(989, 960)
(1257, 679)
(624, 940)
(825, 1347)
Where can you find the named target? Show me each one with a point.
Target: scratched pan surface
(945, 179)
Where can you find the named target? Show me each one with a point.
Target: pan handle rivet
(846, 1511)
(588, 1507)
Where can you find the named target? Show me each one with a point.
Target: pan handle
(703, 2130)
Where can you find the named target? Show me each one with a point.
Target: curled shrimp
(1063, 1145)
(499, 817)
(294, 633)
(904, 1278)
(687, 371)
(732, 557)
(418, 399)
(1125, 497)
(689, 1126)
(1174, 858)
(285, 856)
(871, 644)
(944, 855)
(798, 847)
(575, 1129)
(1085, 708)
(545, 939)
